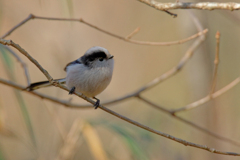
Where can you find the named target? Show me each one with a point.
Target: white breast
(89, 81)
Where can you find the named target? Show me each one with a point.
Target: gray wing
(72, 63)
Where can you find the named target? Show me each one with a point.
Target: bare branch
(225, 139)
(133, 33)
(208, 98)
(169, 43)
(189, 5)
(186, 143)
(106, 32)
(170, 13)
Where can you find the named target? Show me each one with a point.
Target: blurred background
(34, 128)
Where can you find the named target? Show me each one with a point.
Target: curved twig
(31, 16)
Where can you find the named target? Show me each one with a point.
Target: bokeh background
(33, 128)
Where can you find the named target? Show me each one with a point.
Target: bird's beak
(111, 57)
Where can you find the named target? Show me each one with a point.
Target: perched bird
(89, 75)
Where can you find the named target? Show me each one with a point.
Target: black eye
(100, 59)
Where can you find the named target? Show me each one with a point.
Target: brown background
(55, 43)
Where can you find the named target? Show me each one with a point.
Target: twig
(170, 13)
(31, 16)
(189, 5)
(123, 38)
(186, 143)
(208, 98)
(133, 33)
(189, 122)
(216, 61)
(23, 64)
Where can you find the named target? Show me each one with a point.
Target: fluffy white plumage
(91, 80)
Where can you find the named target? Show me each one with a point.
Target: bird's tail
(42, 84)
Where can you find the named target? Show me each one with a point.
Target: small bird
(89, 75)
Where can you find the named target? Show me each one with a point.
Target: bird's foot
(97, 103)
(72, 90)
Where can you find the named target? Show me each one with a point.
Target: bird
(90, 74)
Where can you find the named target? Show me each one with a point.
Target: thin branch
(23, 64)
(31, 16)
(208, 98)
(216, 61)
(189, 5)
(170, 13)
(133, 33)
(225, 139)
(186, 143)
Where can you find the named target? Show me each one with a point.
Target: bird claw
(72, 90)
(96, 105)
